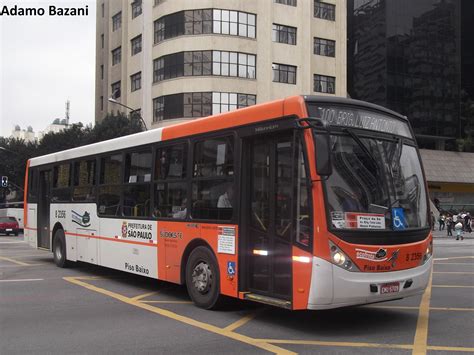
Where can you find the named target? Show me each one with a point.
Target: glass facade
(409, 58)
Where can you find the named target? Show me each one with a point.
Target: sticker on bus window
(399, 221)
(337, 219)
(364, 220)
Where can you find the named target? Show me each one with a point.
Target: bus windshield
(375, 184)
(377, 181)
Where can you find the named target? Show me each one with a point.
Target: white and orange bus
(304, 203)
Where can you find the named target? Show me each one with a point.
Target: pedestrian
(433, 221)
(458, 229)
(449, 226)
(467, 222)
(441, 222)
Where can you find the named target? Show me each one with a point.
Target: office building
(183, 59)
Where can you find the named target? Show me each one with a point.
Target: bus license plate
(392, 287)
(9, 230)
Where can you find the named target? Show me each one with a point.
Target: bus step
(268, 300)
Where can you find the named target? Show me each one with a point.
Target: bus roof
(293, 105)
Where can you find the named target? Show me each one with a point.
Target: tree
(13, 159)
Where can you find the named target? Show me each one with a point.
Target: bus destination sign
(358, 118)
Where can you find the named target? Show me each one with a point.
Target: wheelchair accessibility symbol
(398, 219)
(231, 268)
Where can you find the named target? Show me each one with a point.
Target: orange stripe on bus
(110, 239)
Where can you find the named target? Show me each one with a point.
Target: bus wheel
(202, 278)
(59, 249)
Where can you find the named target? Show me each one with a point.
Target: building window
(116, 55)
(117, 21)
(325, 84)
(228, 101)
(286, 2)
(284, 34)
(198, 104)
(115, 88)
(324, 11)
(207, 21)
(136, 44)
(102, 40)
(233, 64)
(102, 103)
(102, 8)
(136, 81)
(102, 72)
(197, 63)
(136, 8)
(284, 73)
(324, 47)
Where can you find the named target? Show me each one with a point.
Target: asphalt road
(91, 310)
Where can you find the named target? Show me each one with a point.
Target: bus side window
(170, 187)
(213, 179)
(32, 185)
(84, 180)
(61, 183)
(137, 178)
(110, 185)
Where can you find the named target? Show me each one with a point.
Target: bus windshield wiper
(366, 151)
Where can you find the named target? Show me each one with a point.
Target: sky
(45, 61)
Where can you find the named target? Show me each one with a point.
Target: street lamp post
(132, 111)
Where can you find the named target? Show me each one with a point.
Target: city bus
(307, 202)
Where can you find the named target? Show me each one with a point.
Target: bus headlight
(428, 253)
(340, 259)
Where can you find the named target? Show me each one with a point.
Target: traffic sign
(4, 181)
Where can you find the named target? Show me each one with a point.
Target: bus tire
(59, 249)
(202, 278)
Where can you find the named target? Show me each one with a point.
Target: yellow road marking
(452, 286)
(15, 261)
(454, 272)
(241, 322)
(139, 297)
(170, 302)
(337, 343)
(393, 307)
(450, 348)
(421, 334)
(183, 319)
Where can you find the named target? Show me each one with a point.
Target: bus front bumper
(333, 287)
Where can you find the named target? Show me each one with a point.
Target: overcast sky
(45, 61)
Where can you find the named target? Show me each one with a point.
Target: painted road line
(455, 257)
(11, 242)
(454, 272)
(183, 319)
(455, 264)
(393, 307)
(451, 309)
(421, 334)
(337, 343)
(14, 261)
(139, 297)
(21, 280)
(241, 322)
(450, 348)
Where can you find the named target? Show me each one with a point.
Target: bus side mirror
(323, 153)
(322, 143)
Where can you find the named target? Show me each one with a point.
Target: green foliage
(13, 159)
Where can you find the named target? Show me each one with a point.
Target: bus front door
(43, 209)
(267, 186)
